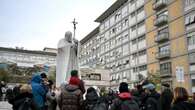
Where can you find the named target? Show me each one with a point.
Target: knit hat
(74, 73)
(74, 81)
(123, 87)
(149, 86)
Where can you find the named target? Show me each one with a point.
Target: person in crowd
(136, 96)
(57, 92)
(91, 98)
(44, 82)
(24, 100)
(181, 100)
(151, 97)
(193, 97)
(9, 94)
(71, 96)
(16, 90)
(3, 89)
(51, 101)
(110, 97)
(166, 97)
(124, 100)
(74, 74)
(1, 93)
(38, 91)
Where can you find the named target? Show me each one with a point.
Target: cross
(74, 23)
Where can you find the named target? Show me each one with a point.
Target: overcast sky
(35, 24)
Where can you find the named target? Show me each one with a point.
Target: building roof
(49, 48)
(90, 35)
(27, 51)
(110, 10)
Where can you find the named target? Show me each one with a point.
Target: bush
(4, 76)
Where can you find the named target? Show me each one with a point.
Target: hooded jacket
(70, 98)
(38, 91)
(20, 99)
(124, 102)
(183, 105)
(92, 99)
(152, 101)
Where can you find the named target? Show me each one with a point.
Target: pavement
(4, 105)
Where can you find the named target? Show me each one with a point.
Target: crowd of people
(41, 94)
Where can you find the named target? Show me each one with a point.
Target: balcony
(166, 72)
(159, 4)
(163, 54)
(162, 37)
(161, 20)
(192, 59)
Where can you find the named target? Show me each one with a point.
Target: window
(141, 53)
(141, 28)
(135, 69)
(107, 24)
(125, 36)
(164, 30)
(112, 20)
(102, 27)
(132, 14)
(125, 23)
(143, 68)
(140, 10)
(189, 2)
(124, 11)
(193, 82)
(141, 38)
(134, 56)
(125, 49)
(190, 19)
(164, 48)
(191, 39)
(117, 16)
(133, 41)
(165, 66)
(118, 27)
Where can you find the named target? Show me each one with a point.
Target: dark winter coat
(124, 102)
(38, 91)
(109, 98)
(70, 98)
(91, 100)
(152, 101)
(20, 99)
(9, 94)
(51, 101)
(165, 100)
(183, 106)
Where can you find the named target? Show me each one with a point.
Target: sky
(35, 24)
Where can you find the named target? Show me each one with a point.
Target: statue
(66, 58)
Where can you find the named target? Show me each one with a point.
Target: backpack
(26, 105)
(99, 106)
(128, 104)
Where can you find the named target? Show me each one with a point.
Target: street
(5, 106)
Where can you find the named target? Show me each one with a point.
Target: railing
(163, 54)
(161, 20)
(162, 37)
(192, 60)
(160, 4)
(166, 72)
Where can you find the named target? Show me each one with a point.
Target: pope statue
(66, 58)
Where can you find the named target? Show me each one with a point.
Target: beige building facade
(142, 37)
